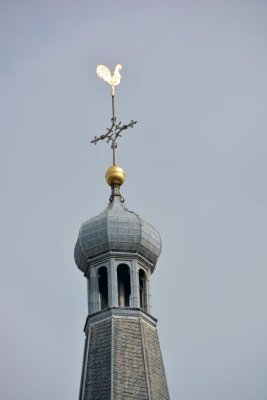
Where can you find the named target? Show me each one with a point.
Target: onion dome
(117, 230)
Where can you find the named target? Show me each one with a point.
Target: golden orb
(115, 175)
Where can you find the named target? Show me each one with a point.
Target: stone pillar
(89, 300)
(112, 284)
(135, 285)
(148, 294)
(94, 290)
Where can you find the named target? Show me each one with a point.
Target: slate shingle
(98, 369)
(128, 365)
(129, 352)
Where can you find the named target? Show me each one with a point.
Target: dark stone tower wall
(122, 358)
(129, 374)
(97, 363)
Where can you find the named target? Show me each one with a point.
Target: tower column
(113, 284)
(135, 285)
(148, 293)
(94, 290)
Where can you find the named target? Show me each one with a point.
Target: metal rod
(113, 107)
(113, 150)
(113, 122)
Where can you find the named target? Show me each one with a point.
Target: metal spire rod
(114, 145)
(115, 130)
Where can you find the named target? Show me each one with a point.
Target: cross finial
(116, 129)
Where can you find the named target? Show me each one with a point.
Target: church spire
(117, 251)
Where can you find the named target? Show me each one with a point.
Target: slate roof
(116, 229)
(123, 357)
(98, 376)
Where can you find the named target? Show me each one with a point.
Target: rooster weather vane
(116, 129)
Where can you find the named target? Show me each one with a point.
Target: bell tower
(117, 252)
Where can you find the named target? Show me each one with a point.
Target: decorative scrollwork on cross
(115, 130)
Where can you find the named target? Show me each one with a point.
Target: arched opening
(103, 287)
(124, 285)
(142, 289)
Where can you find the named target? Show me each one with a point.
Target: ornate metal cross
(116, 129)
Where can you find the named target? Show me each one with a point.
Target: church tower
(117, 252)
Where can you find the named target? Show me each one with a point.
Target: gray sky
(194, 76)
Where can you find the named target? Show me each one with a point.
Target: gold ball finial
(115, 175)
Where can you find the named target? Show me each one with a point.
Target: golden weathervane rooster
(104, 73)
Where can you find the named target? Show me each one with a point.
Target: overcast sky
(194, 76)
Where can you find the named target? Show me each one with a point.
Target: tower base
(122, 357)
